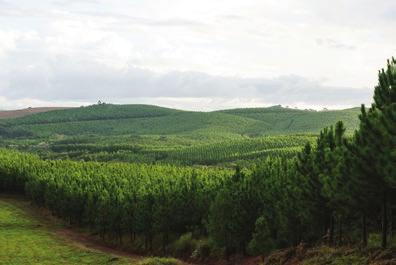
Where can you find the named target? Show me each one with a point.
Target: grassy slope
(96, 112)
(284, 120)
(149, 134)
(151, 120)
(177, 123)
(24, 240)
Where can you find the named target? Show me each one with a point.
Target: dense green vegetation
(114, 198)
(150, 134)
(286, 120)
(108, 119)
(170, 150)
(338, 190)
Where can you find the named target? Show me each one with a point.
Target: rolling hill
(108, 119)
(149, 134)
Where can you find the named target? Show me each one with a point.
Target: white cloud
(82, 50)
(7, 42)
(68, 80)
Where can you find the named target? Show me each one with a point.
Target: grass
(325, 255)
(335, 256)
(25, 240)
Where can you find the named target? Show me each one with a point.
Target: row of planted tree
(338, 192)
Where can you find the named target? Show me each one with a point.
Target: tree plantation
(151, 134)
(339, 189)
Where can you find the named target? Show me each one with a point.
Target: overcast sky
(194, 54)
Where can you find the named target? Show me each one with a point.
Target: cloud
(145, 21)
(67, 81)
(72, 2)
(221, 52)
(334, 44)
(7, 42)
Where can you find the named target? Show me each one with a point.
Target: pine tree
(375, 146)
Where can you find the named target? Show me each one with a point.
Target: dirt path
(88, 242)
(71, 236)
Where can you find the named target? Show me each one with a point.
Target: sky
(190, 54)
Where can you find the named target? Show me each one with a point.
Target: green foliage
(149, 134)
(95, 112)
(115, 198)
(203, 250)
(232, 214)
(328, 191)
(373, 154)
(262, 242)
(111, 119)
(174, 150)
(185, 245)
(286, 120)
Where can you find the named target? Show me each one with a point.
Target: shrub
(203, 249)
(262, 242)
(185, 245)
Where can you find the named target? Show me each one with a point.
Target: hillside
(145, 133)
(46, 240)
(95, 112)
(286, 120)
(9, 114)
(111, 119)
(49, 241)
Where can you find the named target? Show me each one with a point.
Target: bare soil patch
(10, 114)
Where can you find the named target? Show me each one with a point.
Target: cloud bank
(193, 54)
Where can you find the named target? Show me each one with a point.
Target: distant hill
(109, 119)
(286, 120)
(8, 114)
(151, 134)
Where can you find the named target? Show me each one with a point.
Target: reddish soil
(9, 114)
(88, 242)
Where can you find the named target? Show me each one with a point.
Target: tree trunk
(384, 221)
(340, 231)
(390, 223)
(165, 241)
(331, 232)
(120, 236)
(103, 232)
(364, 231)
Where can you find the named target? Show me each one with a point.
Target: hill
(111, 119)
(9, 114)
(286, 120)
(149, 134)
(95, 112)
